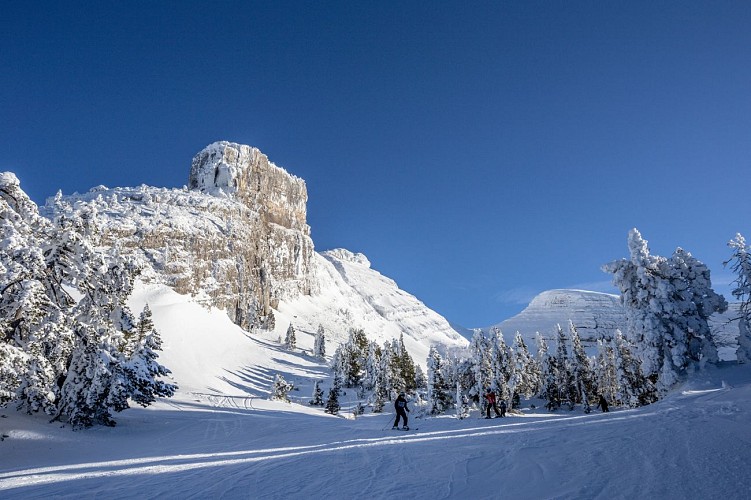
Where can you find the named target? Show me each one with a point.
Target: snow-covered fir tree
(319, 344)
(317, 397)
(668, 303)
(438, 400)
(332, 401)
(564, 376)
(634, 388)
(740, 262)
(78, 361)
(280, 389)
(421, 381)
(549, 375)
(581, 368)
(141, 372)
(501, 362)
(482, 365)
(290, 339)
(462, 403)
(606, 372)
(525, 379)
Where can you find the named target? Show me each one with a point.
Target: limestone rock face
(237, 239)
(279, 197)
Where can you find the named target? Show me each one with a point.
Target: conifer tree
(549, 372)
(437, 390)
(634, 389)
(482, 367)
(668, 303)
(606, 372)
(584, 377)
(332, 401)
(280, 389)
(290, 339)
(741, 265)
(317, 398)
(525, 379)
(319, 344)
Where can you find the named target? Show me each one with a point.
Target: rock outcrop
(237, 238)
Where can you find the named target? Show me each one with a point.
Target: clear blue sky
(477, 152)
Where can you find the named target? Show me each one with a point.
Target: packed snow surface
(220, 437)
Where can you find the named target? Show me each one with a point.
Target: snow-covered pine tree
(74, 353)
(280, 389)
(141, 372)
(584, 376)
(317, 397)
(12, 367)
(319, 344)
(565, 380)
(290, 339)
(482, 367)
(437, 390)
(398, 382)
(332, 401)
(526, 379)
(501, 362)
(421, 381)
(634, 389)
(694, 302)
(404, 364)
(741, 265)
(668, 303)
(549, 374)
(461, 402)
(606, 372)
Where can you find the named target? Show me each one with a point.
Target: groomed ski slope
(221, 438)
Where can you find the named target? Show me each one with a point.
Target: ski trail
(190, 462)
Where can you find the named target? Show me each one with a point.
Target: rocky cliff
(236, 238)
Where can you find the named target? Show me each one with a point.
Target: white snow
(220, 437)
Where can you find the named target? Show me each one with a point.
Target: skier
(503, 408)
(490, 396)
(602, 403)
(400, 405)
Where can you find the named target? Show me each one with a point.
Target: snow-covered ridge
(596, 315)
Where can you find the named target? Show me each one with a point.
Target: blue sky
(477, 155)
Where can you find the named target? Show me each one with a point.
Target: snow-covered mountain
(236, 238)
(595, 315)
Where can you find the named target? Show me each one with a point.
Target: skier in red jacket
(490, 396)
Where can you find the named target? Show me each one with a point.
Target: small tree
(280, 389)
(741, 266)
(319, 344)
(317, 399)
(332, 402)
(437, 390)
(290, 340)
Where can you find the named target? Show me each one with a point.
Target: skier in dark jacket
(400, 405)
(602, 403)
(503, 408)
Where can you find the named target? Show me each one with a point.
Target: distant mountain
(594, 314)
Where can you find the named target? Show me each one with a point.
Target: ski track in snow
(14, 482)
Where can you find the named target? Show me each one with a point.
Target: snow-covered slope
(219, 437)
(594, 314)
(352, 295)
